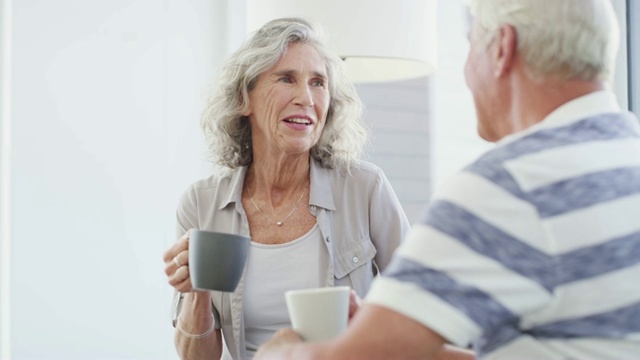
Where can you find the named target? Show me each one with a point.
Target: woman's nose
(303, 96)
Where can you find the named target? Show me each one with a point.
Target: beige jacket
(359, 216)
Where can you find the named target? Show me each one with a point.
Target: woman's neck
(279, 174)
(277, 185)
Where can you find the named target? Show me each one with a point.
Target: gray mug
(217, 260)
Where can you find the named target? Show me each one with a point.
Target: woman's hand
(354, 303)
(176, 264)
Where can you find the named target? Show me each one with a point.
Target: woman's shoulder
(367, 167)
(361, 173)
(212, 181)
(365, 170)
(360, 167)
(220, 182)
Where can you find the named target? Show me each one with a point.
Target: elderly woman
(287, 126)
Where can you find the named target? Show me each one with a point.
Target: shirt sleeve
(187, 218)
(388, 223)
(473, 264)
(187, 212)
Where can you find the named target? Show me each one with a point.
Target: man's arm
(374, 333)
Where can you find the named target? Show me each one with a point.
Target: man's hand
(280, 346)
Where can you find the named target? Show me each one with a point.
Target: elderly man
(533, 250)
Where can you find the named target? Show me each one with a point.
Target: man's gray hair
(566, 39)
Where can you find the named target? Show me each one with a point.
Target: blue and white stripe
(537, 242)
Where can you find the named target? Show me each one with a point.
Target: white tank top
(271, 271)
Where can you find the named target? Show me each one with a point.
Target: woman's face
(289, 103)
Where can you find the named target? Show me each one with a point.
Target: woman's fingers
(176, 261)
(354, 303)
(181, 280)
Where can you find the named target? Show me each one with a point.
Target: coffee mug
(318, 314)
(217, 260)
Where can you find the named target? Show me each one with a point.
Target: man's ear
(506, 46)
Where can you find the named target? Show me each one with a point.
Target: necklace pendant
(279, 223)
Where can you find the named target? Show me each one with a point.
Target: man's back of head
(529, 57)
(569, 39)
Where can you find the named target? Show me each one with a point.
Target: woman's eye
(318, 83)
(285, 79)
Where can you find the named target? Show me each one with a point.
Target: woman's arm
(194, 338)
(388, 223)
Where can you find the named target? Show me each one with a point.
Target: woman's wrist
(191, 305)
(193, 334)
(198, 299)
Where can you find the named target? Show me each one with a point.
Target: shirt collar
(320, 194)
(595, 103)
(236, 182)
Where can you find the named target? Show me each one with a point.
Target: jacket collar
(321, 193)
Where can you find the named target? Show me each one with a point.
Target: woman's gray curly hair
(228, 133)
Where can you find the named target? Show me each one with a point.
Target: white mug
(318, 314)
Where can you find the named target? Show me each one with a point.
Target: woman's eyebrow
(290, 72)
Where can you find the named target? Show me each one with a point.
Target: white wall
(5, 193)
(455, 142)
(399, 115)
(620, 83)
(106, 99)
(634, 55)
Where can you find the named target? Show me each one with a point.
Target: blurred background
(99, 134)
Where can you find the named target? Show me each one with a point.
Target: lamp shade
(380, 40)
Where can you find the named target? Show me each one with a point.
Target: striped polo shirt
(533, 250)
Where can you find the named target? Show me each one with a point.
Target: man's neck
(535, 100)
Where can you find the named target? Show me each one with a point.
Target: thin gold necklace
(281, 222)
